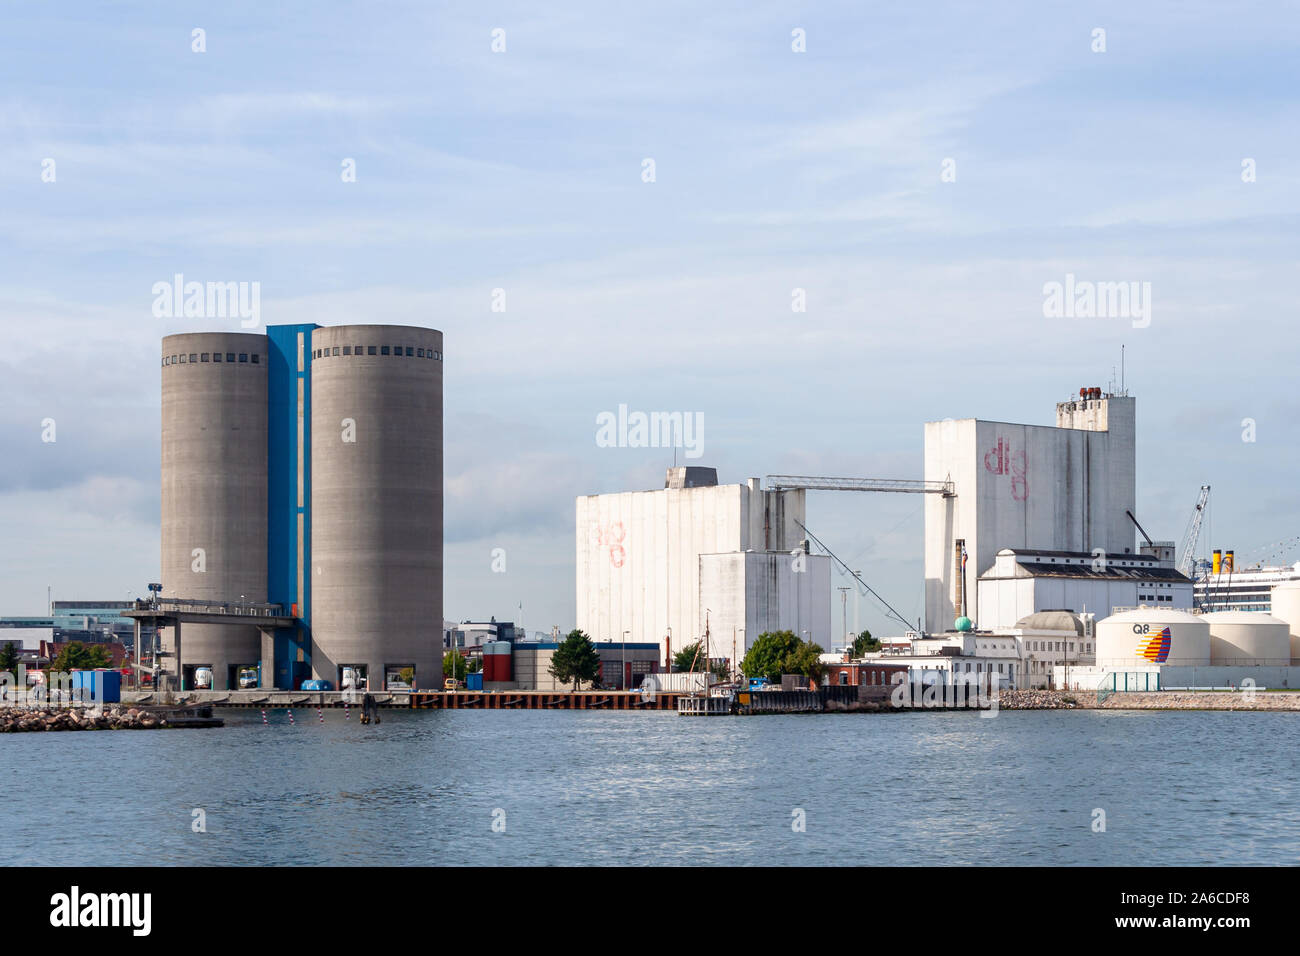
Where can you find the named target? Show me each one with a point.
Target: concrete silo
(1153, 636)
(1248, 638)
(214, 490)
(376, 503)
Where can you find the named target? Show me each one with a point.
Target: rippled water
(609, 788)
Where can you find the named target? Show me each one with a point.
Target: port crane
(1188, 563)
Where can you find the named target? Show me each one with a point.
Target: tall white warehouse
(639, 558)
(1026, 487)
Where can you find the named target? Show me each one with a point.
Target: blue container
(97, 687)
(474, 681)
(315, 685)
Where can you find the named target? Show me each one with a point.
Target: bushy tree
(9, 658)
(453, 664)
(767, 654)
(77, 656)
(805, 659)
(781, 652)
(689, 658)
(864, 643)
(575, 660)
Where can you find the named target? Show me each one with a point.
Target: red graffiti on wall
(1001, 460)
(611, 537)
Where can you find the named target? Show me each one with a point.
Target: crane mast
(1188, 563)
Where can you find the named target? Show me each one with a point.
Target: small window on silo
(383, 350)
(193, 358)
(216, 356)
(230, 356)
(410, 352)
(256, 359)
(371, 350)
(419, 353)
(336, 350)
(347, 350)
(243, 357)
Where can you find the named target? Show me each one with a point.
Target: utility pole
(844, 613)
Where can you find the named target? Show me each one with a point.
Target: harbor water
(547, 788)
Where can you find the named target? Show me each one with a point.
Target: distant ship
(1247, 589)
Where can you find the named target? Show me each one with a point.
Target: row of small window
(410, 352)
(979, 669)
(1057, 646)
(1155, 597)
(197, 357)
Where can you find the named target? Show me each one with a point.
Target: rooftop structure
(1023, 581)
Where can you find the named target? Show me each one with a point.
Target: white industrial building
(659, 565)
(752, 592)
(987, 659)
(1023, 581)
(1061, 488)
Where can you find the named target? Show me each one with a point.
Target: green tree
(453, 664)
(575, 660)
(781, 652)
(475, 664)
(804, 659)
(864, 643)
(689, 658)
(766, 656)
(77, 656)
(9, 658)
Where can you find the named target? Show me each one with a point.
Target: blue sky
(775, 170)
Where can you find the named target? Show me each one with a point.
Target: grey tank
(214, 488)
(376, 502)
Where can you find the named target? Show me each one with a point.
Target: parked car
(247, 677)
(203, 678)
(452, 684)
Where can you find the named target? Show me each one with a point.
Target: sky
(919, 171)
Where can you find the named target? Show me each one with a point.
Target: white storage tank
(1248, 638)
(1153, 636)
(1286, 608)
